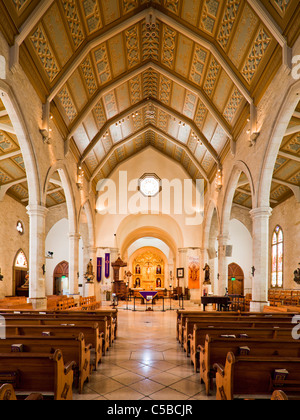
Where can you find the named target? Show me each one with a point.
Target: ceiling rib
(165, 109)
(293, 187)
(149, 66)
(101, 93)
(108, 124)
(270, 23)
(182, 146)
(5, 187)
(7, 128)
(289, 156)
(115, 147)
(10, 155)
(26, 28)
(76, 61)
(193, 126)
(222, 60)
(198, 93)
(149, 127)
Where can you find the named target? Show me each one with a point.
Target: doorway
(61, 278)
(20, 275)
(235, 280)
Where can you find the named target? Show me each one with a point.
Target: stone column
(223, 241)
(260, 236)
(37, 260)
(73, 263)
(183, 264)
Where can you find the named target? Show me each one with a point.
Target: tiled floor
(145, 362)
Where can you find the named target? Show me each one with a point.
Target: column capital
(223, 238)
(261, 212)
(183, 250)
(75, 236)
(37, 210)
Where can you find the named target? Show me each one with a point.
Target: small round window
(150, 185)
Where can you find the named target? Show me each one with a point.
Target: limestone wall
(287, 216)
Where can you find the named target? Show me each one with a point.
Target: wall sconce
(80, 175)
(46, 136)
(1, 277)
(253, 271)
(219, 182)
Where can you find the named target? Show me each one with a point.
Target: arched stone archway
(73, 212)
(286, 111)
(224, 250)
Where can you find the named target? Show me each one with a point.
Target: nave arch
(284, 116)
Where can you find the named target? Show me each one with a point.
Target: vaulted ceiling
(180, 75)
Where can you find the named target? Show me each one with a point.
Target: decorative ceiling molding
(272, 26)
(160, 70)
(167, 110)
(149, 128)
(78, 58)
(26, 28)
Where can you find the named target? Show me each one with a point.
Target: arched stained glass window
(277, 258)
(21, 261)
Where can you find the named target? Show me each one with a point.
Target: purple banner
(107, 265)
(99, 269)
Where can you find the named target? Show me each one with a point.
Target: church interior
(149, 199)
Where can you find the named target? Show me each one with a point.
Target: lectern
(119, 286)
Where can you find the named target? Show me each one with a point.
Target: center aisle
(145, 362)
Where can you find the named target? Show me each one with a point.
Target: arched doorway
(20, 271)
(61, 278)
(235, 280)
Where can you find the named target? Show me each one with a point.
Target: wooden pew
(90, 332)
(183, 314)
(216, 349)
(111, 314)
(253, 377)
(199, 336)
(39, 372)
(72, 348)
(248, 322)
(279, 396)
(7, 393)
(102, 322)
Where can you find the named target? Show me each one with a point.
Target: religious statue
(206, 269)
(297, 275)
(26, 284)
(158, 269)
(89, 275)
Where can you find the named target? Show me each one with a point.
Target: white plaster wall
(57, 241)
(148, 161)
(241, 241)
(149, 242)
